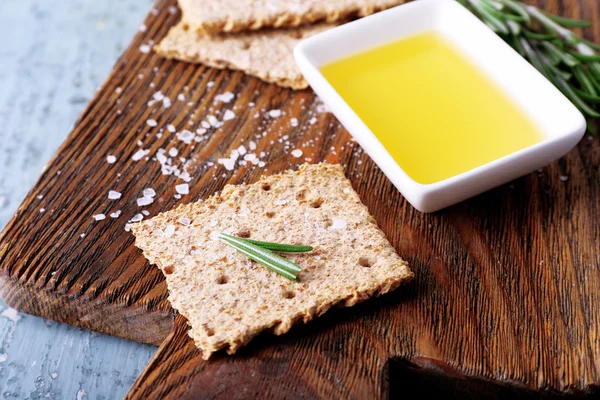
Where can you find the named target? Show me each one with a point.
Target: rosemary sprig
(569, 61)
(260, 252)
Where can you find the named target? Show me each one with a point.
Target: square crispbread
(215, 16)
(229, 299)
(266, 54)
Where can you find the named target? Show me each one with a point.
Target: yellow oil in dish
(430, 107)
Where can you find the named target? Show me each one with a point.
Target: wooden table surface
(53, 57)
(507, 284)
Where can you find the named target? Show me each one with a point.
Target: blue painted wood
(54, 54)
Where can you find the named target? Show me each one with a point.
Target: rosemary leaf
(264, 253)
(266, 263)
(284, 248)
(568, 22)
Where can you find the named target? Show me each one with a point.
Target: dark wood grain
(507, 286)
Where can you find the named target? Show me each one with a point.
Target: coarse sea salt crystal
(99, 217)
(149, 192)
(146, 212)
(213, 121)
(173, 152)
(171, 128)
(185, 176)
(242, 150)
(115, 214)
(183, 188)
(137, 218)
(294, 121)
(138, 155)
(145, 48)
(225, 97)
(186, 136)
(144, 201)
(169, 230)
(228, 163)
(337, 224)
(151, 122)
(114, 195)
(275, 113)
(297, 153)
(184, 221)
(252, 145)
(313, 120)
(111, 159)
(229, 115)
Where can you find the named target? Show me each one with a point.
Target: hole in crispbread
(289, 295)
(168, 270)
(210, 332)
(364, 262)
(244, 234)
(222, 280)
(269, 214)
(266, 186)
(317, 203)
(301, 194)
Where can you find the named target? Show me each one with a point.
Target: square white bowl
(558, 120)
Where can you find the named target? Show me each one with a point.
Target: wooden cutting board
(506, 300)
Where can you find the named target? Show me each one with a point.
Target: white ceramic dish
(557, 118)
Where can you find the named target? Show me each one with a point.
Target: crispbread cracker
(267, 54)
(214, 16)
(228, 299)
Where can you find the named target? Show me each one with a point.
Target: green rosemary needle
(546, 41)
(264, 256)
(284, 248)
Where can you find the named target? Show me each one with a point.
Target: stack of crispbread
(229, 299)
(257, 36)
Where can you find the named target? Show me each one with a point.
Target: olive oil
(432, 109)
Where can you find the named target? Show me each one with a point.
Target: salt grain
(145, 48)
(99, 217)
(297, 153)
(184, 188)
(312, 121)
(113, 195)
(228, 116)
(337, 224)
(225, 97)
(275, 113)
(149, 192)
(137, 218)
(111, 159)
(173, 152)
(171, 128)
(252, 145)
(186, 136)
(144, 201)
(184, 221)
(115, 214)
(139, 154)
(151, 122)
(294, 121)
